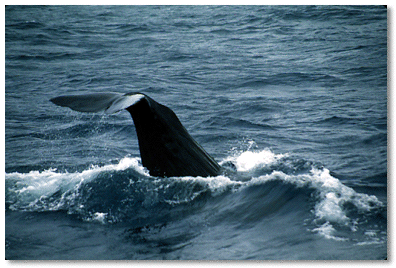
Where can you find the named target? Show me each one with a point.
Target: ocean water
(295, 97)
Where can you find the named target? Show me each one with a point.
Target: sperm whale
(166, 147)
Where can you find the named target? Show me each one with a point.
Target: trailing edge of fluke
(166, 148)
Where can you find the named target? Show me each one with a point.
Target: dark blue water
(294, 96)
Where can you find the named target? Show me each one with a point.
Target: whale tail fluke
(166, 148)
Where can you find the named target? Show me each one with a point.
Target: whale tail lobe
(98, 102)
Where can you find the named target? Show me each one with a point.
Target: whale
(166, 148)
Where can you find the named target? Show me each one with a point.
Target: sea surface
(294, 97)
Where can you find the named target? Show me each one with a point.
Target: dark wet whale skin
(166, 148)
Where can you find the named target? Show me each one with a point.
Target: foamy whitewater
(334, 208)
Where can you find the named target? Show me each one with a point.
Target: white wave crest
(332, 196)
(26, 189)
(249, 160)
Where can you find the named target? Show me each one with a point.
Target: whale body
(166, 148)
